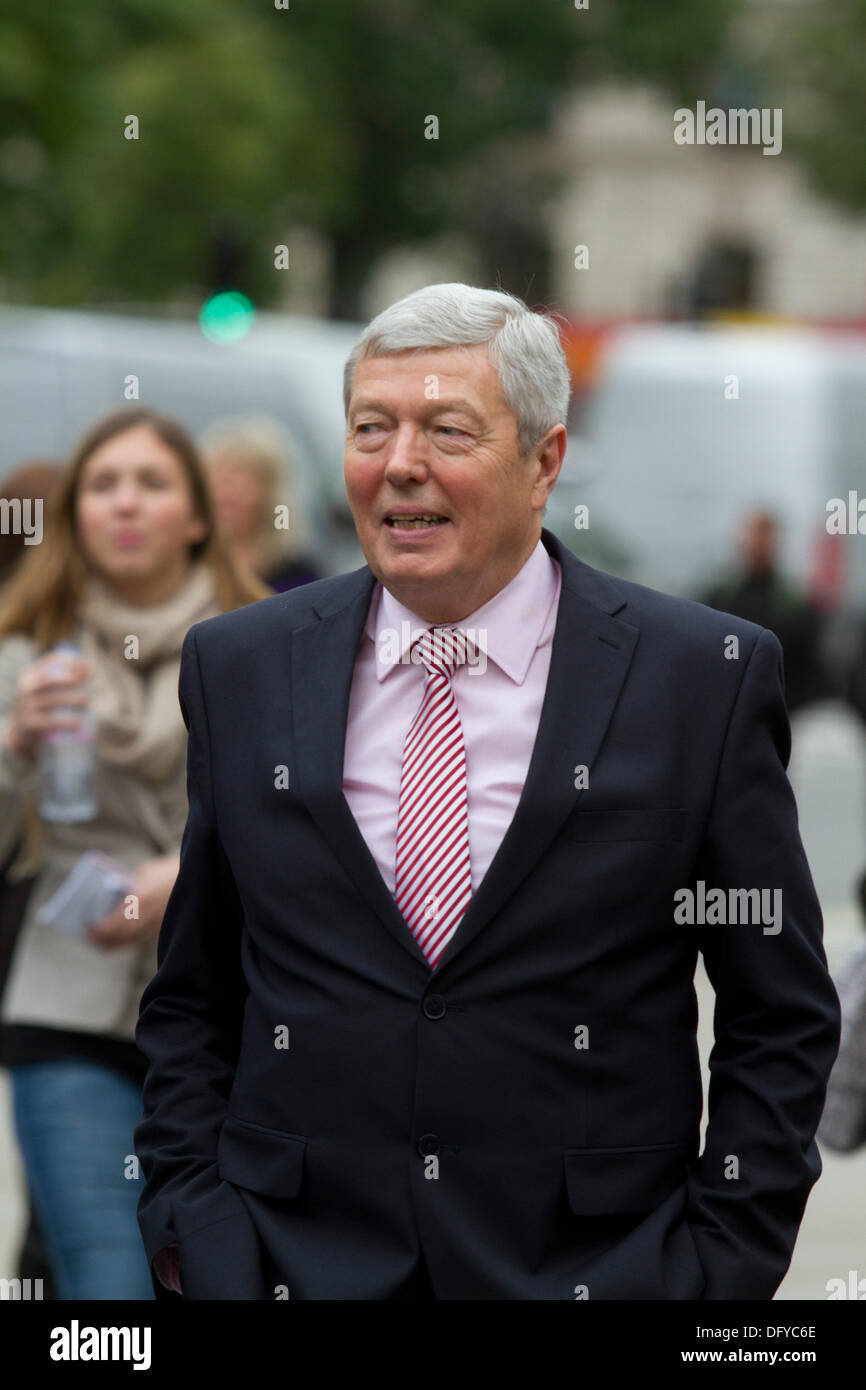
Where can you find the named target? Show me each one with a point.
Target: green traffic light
(226, 316)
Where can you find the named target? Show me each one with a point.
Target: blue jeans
(75, 1121)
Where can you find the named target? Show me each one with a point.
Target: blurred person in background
(854, 681)
(756, 590)
(33, 481)
(130, 549)
(252, 463)
(843, 1122)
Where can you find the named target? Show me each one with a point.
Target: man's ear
(547, 454)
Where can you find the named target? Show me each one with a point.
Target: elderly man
(424, 1019)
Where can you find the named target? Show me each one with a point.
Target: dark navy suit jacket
(320, 1109)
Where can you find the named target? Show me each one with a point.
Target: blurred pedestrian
(31, 485)
(756, 590)
(843, 1123)
(129, 559)
(252, 464)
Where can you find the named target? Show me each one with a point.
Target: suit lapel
(323, 663)
(590, 658)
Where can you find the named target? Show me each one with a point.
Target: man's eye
(451, 429)
(368, 425)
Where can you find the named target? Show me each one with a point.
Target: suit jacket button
(428, 1144)
(434, 1006)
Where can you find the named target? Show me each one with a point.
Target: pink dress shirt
(499, 696)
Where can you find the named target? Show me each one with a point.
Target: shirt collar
(509, 627)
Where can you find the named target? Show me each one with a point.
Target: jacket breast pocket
(264, 1160)
(602, 1181)
(663, 823)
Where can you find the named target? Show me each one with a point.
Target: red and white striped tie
(433, 883)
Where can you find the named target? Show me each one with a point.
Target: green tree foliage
(818, 62)
(253, 118)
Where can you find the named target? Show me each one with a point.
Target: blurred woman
(252, 464)
(130, 558)
(32, 485)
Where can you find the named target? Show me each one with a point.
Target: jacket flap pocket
(664, 823)
(632, 1179)
(264, 1160)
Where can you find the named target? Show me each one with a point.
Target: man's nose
(407, 455)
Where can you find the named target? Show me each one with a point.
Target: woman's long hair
(42, 596)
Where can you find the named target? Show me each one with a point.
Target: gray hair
(523, 346)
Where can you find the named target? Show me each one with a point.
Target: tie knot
(442, 649)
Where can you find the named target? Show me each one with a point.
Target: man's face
(429, 433)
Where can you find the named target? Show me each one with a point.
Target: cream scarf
(134, 699)
(134, 654)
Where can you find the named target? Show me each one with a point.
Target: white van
(691, 427)
(60, 370)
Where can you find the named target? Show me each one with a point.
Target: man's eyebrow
(436, 406)
(454, 404)
(369, 403)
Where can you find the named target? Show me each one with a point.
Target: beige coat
(56, 980)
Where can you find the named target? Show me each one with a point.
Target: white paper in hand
(94, 887)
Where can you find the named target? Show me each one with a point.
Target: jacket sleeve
(190, 1014)
(777, 1014)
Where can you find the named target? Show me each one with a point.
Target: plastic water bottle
(67, 763)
